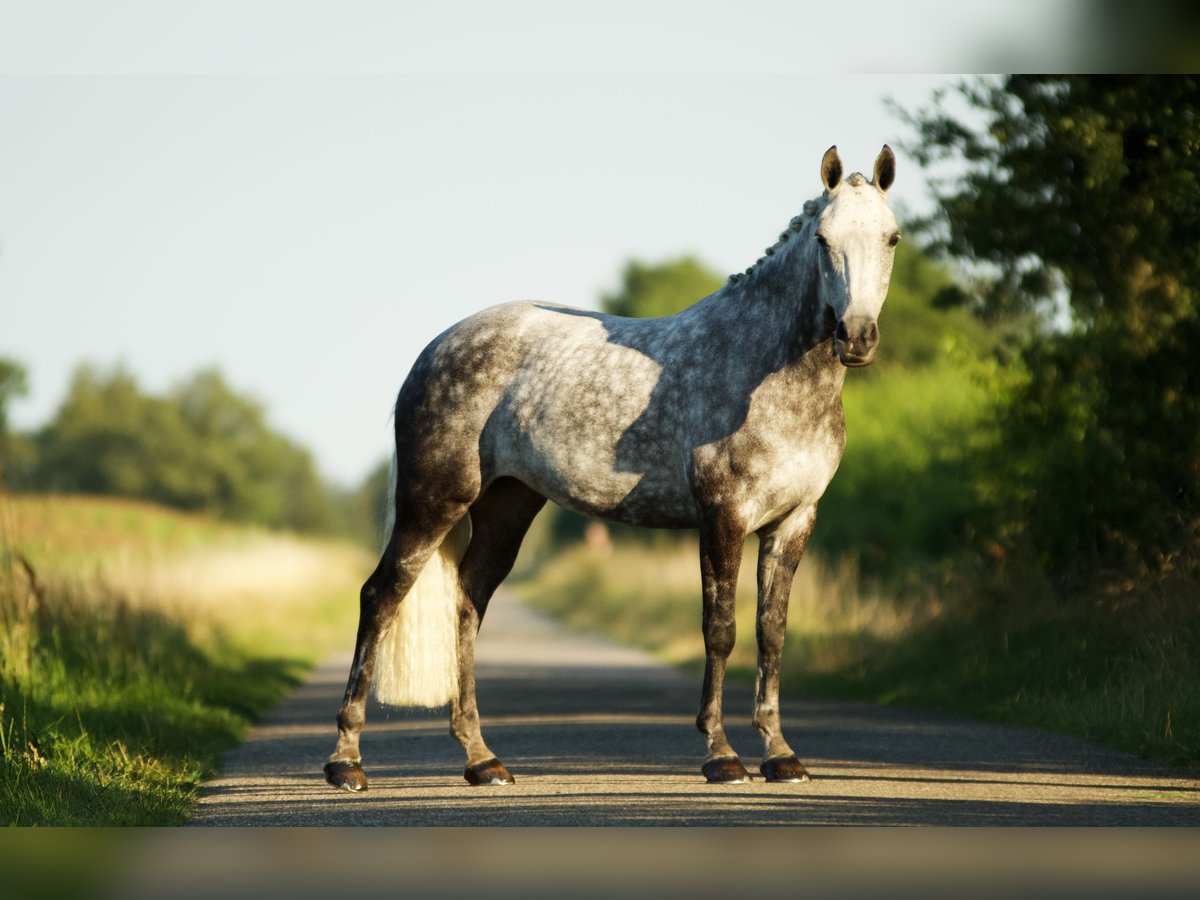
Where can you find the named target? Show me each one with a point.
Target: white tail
(417, 663)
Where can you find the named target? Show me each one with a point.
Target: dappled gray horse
(726, 417)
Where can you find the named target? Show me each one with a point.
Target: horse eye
(822, 241)
(894, 239)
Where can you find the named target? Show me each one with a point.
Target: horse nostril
(871, 334)
(841, 333)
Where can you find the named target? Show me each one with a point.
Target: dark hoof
(349, 776)
(490, 771)
(783, 768)
(725, 770)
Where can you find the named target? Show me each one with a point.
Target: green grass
(125, 672)
(1121, 669)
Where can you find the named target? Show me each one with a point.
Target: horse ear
(885, 168)
(831, 168)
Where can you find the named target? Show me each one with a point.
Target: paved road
(599, 734)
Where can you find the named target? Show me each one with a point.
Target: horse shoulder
(785, 452)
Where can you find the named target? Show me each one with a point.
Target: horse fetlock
(711, 725)
(465, 730)
(766, 721)
(351, 719)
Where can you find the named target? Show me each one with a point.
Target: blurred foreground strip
(300, 863)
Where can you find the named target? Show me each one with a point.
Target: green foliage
(905, 491)
(661, 289)
(202, 447)
(1086, 182)
(16, 452)
(122, 691)
(1086, 192)
(362, 511)
(13, 383)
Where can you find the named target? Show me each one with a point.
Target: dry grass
(202, 573)
(650, 597)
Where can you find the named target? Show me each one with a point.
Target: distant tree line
(201, 446)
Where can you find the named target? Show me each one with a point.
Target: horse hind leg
(410, 549)
(500, 519)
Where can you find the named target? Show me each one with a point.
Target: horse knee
(374, 595)
(770, 643)
(719, 638)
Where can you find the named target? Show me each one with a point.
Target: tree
(13, 383)
(201, 447)
(1082, 197)
(14, 448)
(651, 290)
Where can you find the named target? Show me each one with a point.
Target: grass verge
(1120, 669)
(138, 644)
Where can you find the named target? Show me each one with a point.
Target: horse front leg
(779, 551)
(721, 540)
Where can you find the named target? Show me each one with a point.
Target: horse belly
(590, 472)
(580, 425)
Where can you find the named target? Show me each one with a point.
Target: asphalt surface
(600, 734)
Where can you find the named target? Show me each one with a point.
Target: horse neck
(776, 305)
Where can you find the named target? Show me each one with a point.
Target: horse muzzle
(855, 343)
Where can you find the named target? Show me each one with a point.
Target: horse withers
(726, 417)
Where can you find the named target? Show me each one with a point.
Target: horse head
(857, 236)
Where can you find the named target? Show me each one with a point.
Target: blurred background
(225, 236)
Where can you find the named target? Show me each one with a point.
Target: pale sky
(304, 194)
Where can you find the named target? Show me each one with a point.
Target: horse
(725, 417)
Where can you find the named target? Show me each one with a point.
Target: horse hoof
(490, 771)
(349, 776)
(725, 770)
(783, 768)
